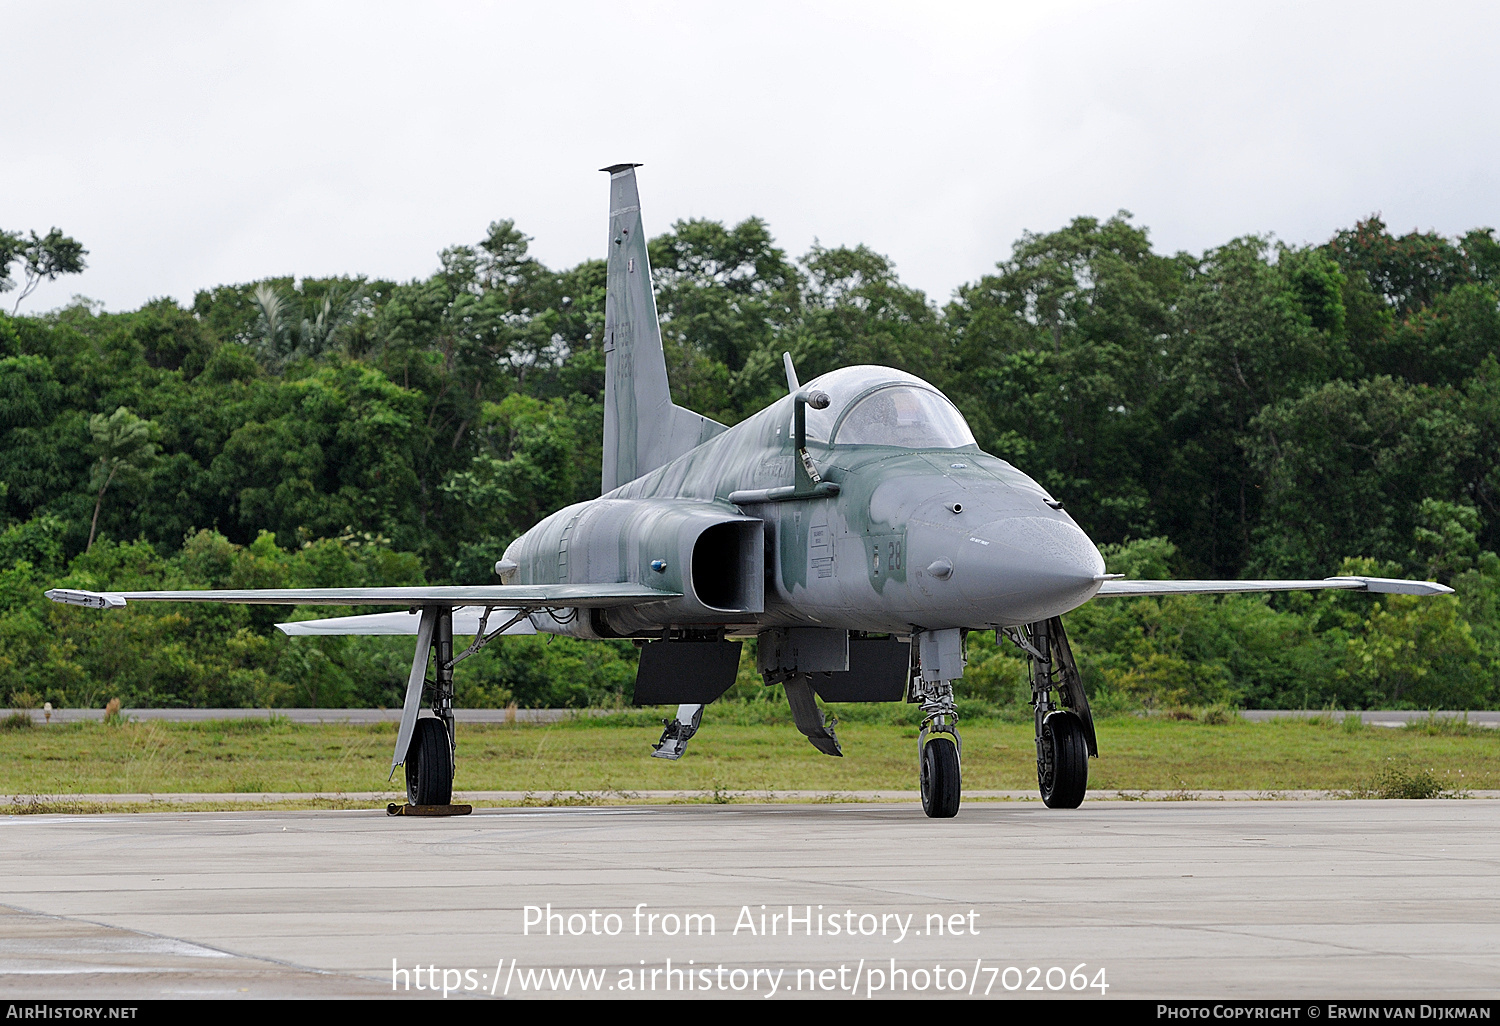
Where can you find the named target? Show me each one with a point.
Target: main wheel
(941, 786)
(1062, 761)
(429, 764)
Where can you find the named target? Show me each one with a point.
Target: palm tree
(124, 443)
(280, 336)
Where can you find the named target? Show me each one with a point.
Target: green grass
(735, 754)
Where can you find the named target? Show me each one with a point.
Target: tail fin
(642, 429)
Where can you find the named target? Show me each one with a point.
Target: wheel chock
(428, 810)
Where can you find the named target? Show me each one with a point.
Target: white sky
(192, 144)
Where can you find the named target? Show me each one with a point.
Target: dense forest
(1255, 410)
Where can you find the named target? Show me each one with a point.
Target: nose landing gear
(939, 746)
(939, 661)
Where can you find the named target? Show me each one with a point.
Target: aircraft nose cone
(1022, 569)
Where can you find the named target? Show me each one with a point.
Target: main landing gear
(1064, 732)
(1062, 760)
(429, 764)
(429, 755)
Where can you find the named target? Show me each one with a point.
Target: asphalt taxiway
(1279, 899)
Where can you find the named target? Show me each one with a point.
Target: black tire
(429, 764)
(1062, 761)
(941, 782)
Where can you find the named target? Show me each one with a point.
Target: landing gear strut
(1064, 732)
(425, 744)
(939, 744)
(938, 662)
(430, 757)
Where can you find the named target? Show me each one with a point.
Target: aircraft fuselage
(914, 537)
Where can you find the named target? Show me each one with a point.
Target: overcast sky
(191, 144)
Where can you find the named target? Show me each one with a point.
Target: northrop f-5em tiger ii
(853, 527)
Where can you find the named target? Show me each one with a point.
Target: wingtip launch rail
(1376, 585)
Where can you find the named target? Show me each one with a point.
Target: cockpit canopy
(881, 406)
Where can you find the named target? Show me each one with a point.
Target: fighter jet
(854, 528)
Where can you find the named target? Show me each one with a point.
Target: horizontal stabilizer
(1382, 585)
(465, 622)
(507, 596)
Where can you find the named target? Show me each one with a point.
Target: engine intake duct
(708, 552)
(727, 567)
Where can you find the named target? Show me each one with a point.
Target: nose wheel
(938, 662)
(941, 783)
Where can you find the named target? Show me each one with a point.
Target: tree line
(1255, 410)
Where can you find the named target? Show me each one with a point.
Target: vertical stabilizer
(642, 428)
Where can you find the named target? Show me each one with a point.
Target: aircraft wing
(466, 621)
(1383, 585)
(506, 596)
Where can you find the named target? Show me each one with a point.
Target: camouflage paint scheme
(911, 534)
(854, 561)
(889, 520)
